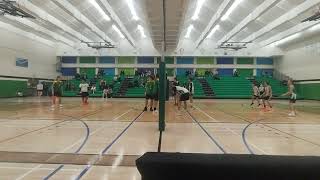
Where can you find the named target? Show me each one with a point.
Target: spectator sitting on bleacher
(93, 88)
(77, 76)
(235, 73)
(84, 76)
(215, 74)
(102, 84)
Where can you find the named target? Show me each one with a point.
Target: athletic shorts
(84, 94)
(266, 97)
(293, 98)
(255, 96)
(184, 97)
(174, 93)
(156, 97)
(149, 96)
(57, 93)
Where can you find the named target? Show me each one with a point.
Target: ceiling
(137, 24)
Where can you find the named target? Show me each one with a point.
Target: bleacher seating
(226, 87)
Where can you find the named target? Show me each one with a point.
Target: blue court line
(243, 136)
(81, 146)
(244, 139)
(77, 151)
(208, 134)
(85, 170)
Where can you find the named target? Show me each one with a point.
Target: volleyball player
(149, 92)
(190, 87)
(84, 91)
(255, 95)
(56, 92)
(183, 95)
(292, 97)
(267, 95)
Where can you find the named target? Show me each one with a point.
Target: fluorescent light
(140, 28)
(198, 8)
(118, 31)
(231, 9)
(189, 31)
(213, 31)
(97, 6)
(133, 11)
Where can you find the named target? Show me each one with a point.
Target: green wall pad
(91, 72)
(205, 60)
(308, 91)
(87, 60)
(245, 60)
(9, 88)
(127, 71)
(126, 60)
(245, 72)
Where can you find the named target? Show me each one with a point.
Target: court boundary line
(85, 170)
(62, 165)
(208, 134)
(266, 125)
(70, 119)
(74, 119)
(248, 148)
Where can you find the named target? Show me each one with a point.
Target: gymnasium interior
(223, 48)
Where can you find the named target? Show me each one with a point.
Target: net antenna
(12, 8)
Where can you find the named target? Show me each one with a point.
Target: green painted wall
(309, 91)
(9, 88)
(126, 60)
(205, 60)
(245, 60)
(91, 72)
(88, 60)
(127, 71)
(245, 72)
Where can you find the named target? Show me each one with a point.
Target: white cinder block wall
(300, 64)
(42, 58)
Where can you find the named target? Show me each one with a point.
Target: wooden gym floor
(103, 139)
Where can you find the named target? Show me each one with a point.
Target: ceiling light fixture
(133, 11)
(140, 28)
(213, 31)
(189, 31)
(198, 8)
(118, 31)
(231, 9)
(97, 6)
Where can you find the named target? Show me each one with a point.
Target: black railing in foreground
(176, 166)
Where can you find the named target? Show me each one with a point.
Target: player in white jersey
(267, 95)
(182, 95)
(255, 94)
(292, 97)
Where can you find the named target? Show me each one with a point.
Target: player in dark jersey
(150, 85)
(56, 92)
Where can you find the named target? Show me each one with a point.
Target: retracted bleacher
(176, 166)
